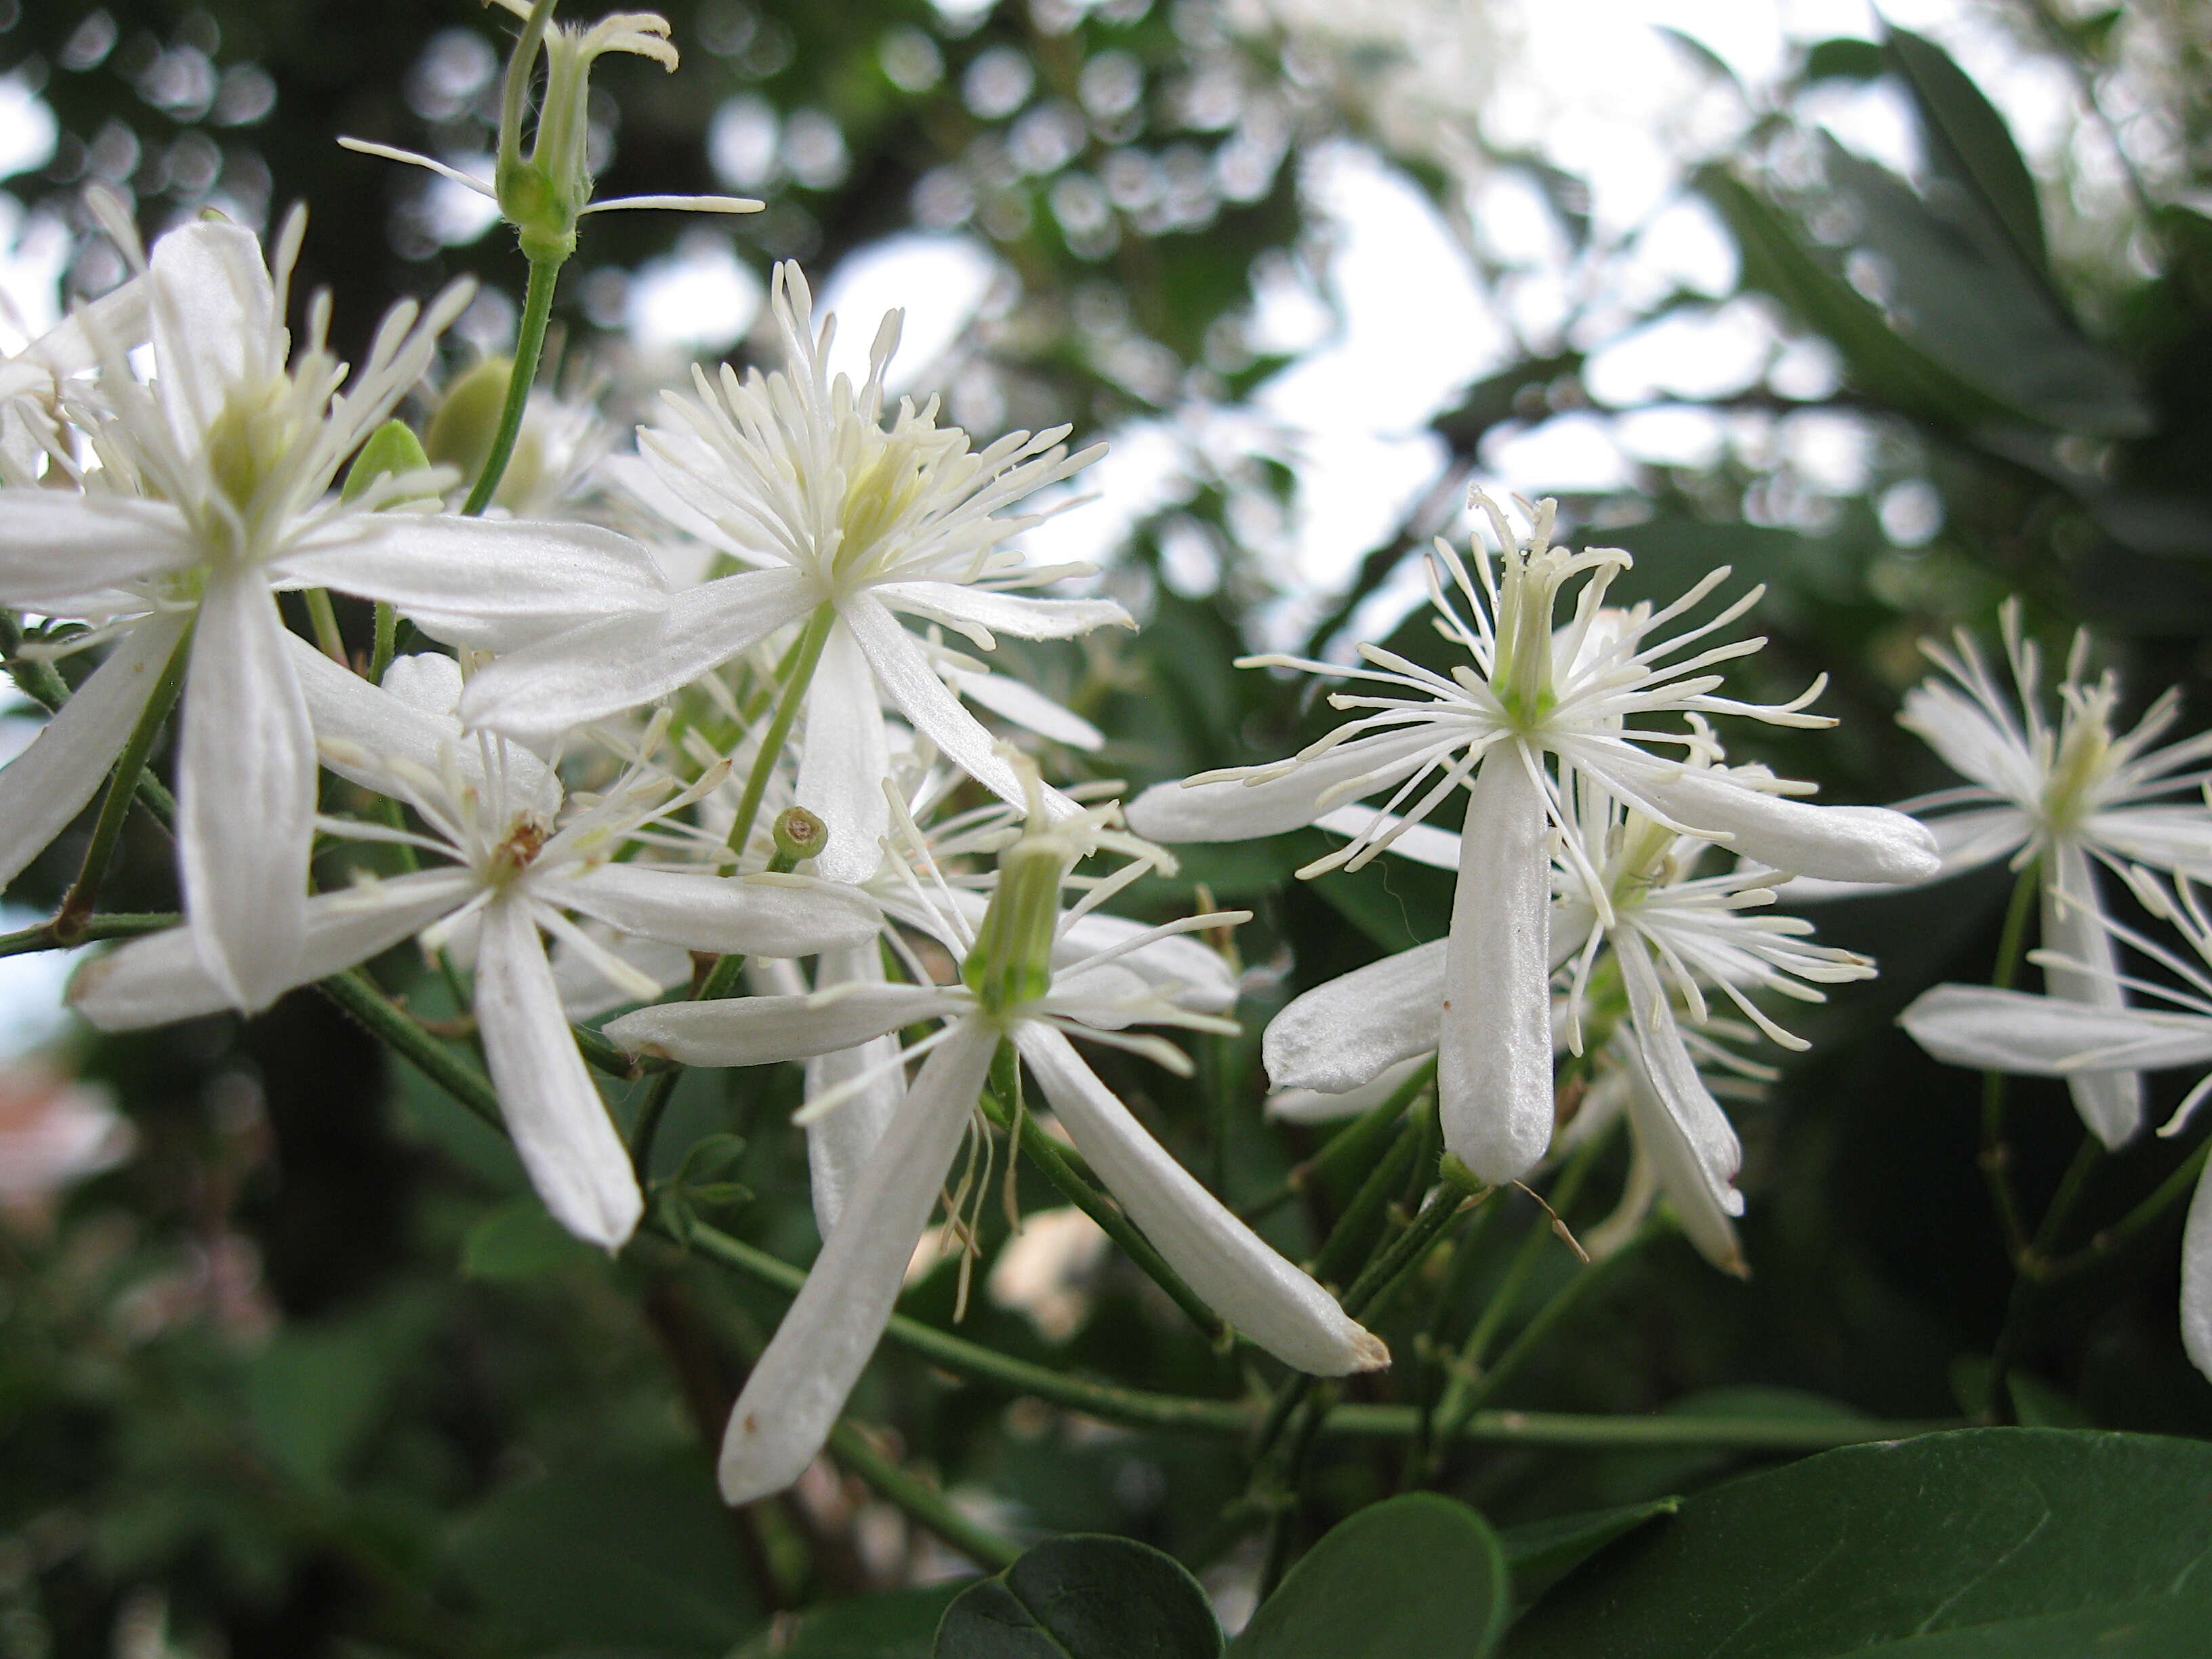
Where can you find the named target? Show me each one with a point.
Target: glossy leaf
(2000, 1543)
(1419, 1576)
(1542, 1552)
(1082, 1597)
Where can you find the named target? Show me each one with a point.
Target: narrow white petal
(1315, 1106)
(1233, 1270)
(246, 794)
(1010, 700)
(2164, 837)
(838, 1143)
(543, 690)
(213, 311)
(1704, 1132)
(2109, 1102)
(51, 782)
(1494, 1064)
(1341, 1034)
(1989, 1029)
(1705, 1217)
(1424, 843)
(161, 978)
(791, 1400)
(760, 1031)
(116, 322)
(576, 1162)
(495, 584)
(1837, 843)
(1232, 809)
(1200, 976)
(769, 916)
(966, 609)
(844, 757)
(1964, 840)
(2197, 1276)
(56, 544)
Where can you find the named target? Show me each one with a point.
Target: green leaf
(1993, 1543)
(894, 1625)
(1844, 59)
(1418, 1577)
(1970, 141)
(1543, 1552)
(315, 1394)
(1082, 1597)
(518, 1240)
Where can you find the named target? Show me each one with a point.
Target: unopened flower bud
(798, 835)
(392, 450)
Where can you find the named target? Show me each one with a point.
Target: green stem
(43, 684)
(1382, 1275)
(1996, 1156)
(1348, 1146)
(122, 789)
(801, 675)
(387, 642)
(920, 1500)
(116, 924)
(385, 1020)
(1428, 1375)
(2137, 1221)
(323, 616)
(529, 344)
(1354, 1228)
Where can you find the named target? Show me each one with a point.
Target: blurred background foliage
(310, 1373)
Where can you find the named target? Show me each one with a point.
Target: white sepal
(1988, 1030)
(1341, 1034)
(844, 757)
(1232, 809)
(760, 1031)
(762, 915)
(838, 1143)
(2109, 1102)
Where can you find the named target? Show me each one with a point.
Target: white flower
(2061, 795)
(843, 524)
(1010, 990)
(212, 492)
(1991, 1029)
(517, 865)
(1578, 698)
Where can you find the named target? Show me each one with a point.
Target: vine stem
(68, 924)
(116, 924)
(1347, 1146)
(1996, 1156)
(529, 345)
(920, 1500)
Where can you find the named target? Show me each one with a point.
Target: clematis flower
(211, 494)
(2065, 796)
(1526, 702)
(517, 865)
(1010, 990)
(843, 524)
(1996, 1030)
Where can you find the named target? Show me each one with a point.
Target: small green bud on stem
(798, 835)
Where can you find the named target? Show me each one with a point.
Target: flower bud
(392, 450)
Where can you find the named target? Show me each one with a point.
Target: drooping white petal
(1705, 1216)
(214, 327)
(1992, 1030)
(1494, 1063)
(246, 794)
(838, 1143)
(2197, 1276)
(760, 1031)
(844, 757)
(762, 915)
(970, 609)
(791, 1400)
(1701, 1127)
(1315, 1106)
(560, 1125)
(1199, 977)
(902, 669)
(1233, 1270)
(1964, 840)
(2110, 1102)
(2177, 838)
(603, 668)
(1424, 843)
(51, 782)
(161, 978)
(495, 584)
(1230, 809)
(1838, 843)
(56, 545)
(1341, 1034)
(1027, 708)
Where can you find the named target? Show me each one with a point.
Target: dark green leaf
(1543, 1552)
(316, 1391)
(1969, 141)
(518, 1240)
(1844, 59)
(895, 1625)
(1418, 1577)
(1082, 1597)
(1702, 55)
(1997, 1543)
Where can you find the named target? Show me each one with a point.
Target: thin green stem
(116, 924)
(1349, 1147)
(387, 642)
(385, 1020)
(1995, 1157)
(529, 344)
(1428, 1375)
(2137, 1221)
(323, 616)
(920, 1500)
(43, 684)
(801, 675)
(1405, 1253)
(84, 894)
(1353, 1229)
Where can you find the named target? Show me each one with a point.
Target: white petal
(1704, 1216)
(1199, 976)
(1706, 1135)
(1424, 843)
(587, 993)
(1837, 843)
(2163, 837)
(1964, 840)
(56, 544)
(51, 782)
(495, 584)
(1341, 1034)
(903, 670)
(763, 915)
(1232, 809)
(791, 1400)
(246, 794)
(161, 978)
(214, 326)
(760, 1031)
(838, 1143)
(1233, 1270)
(969, 609)
(1010, 700)
(2197, 1276)
(1494, 1065)
(576, 1162)
(116, 322)
(1989, 1029)
(1314, 1106)
(2109, 1102)
(844, 757)
(543, 690)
